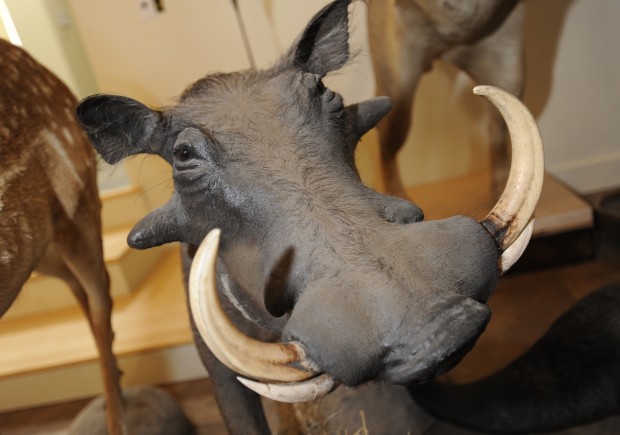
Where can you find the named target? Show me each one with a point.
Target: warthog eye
(183, 152)
(320, 86)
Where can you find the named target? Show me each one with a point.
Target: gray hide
(314, 254)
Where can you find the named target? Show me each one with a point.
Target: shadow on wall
(544, 24)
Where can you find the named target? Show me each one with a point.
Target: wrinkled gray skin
(370, 291)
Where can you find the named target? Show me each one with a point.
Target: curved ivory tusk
(293, 392)
(516, 205)
(240, 353)
(510, 256)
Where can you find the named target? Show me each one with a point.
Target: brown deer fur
(49, 203)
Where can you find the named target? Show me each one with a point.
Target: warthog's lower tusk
(293, 392)
(515, 207)
(242, 354)
(514, 251)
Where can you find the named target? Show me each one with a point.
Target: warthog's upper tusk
(293, 392)
(515, 207)
(242, 354)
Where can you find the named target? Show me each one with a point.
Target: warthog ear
(368, 113)
(119, 127)
(324, 45)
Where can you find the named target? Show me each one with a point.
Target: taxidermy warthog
(484, 38)
(351, 282)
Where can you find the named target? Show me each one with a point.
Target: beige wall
(574, 88)
(153, 60)
(3, 33)
(4, 11)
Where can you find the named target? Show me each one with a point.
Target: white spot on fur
(5, 257)
(69, 114)
(67, 134)
(14, 73)
(66, 182)
(9, 174)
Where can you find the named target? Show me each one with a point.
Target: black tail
(570, 376)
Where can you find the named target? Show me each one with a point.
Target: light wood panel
(152, 317)
(559, 209)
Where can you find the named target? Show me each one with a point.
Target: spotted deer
(49, 203)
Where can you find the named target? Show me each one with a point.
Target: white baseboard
(173, 364)
(590, 175)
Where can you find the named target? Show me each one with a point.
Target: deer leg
(52, 264)
(497, 60)
(393, 130)
(402, 49)
(400, 86)
(81, 250)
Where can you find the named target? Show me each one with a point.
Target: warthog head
(356, 285)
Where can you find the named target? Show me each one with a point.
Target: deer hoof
(148, 411)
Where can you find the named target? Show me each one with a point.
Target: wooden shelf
(126, 267)
(51, 357)
(559, 209)
(154, 316)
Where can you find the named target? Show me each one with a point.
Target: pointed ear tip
(381, 104)
(83, 107)
(386, 101)
(86, 107)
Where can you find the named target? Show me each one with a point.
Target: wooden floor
(523, 307)
(195, 398)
